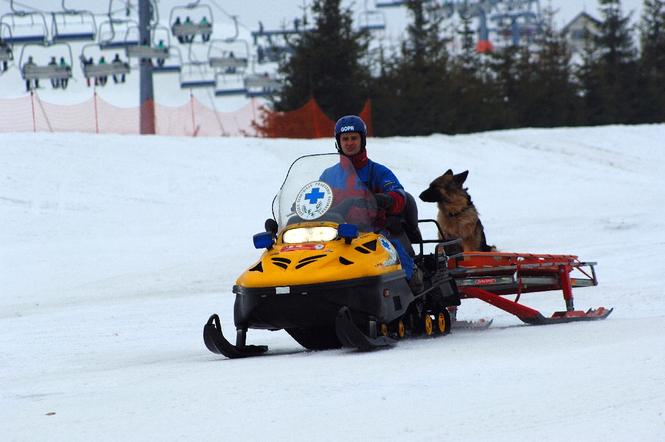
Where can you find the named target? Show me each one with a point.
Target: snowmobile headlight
(263, 240)
(309, 234)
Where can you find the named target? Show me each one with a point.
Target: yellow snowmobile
(330, 275)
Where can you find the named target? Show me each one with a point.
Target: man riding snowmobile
(336, 270)
(351, 141)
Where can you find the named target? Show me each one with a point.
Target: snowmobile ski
(217, 343)
(477, 324)
(351, 336)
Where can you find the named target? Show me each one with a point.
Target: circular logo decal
(314, 200)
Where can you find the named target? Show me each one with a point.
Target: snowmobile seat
(410, 217)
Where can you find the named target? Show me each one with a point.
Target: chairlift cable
(195, 62)
(28, 7)
(221, 9)
(211, 97)
(231, 16)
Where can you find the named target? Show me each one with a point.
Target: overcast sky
(273, 12)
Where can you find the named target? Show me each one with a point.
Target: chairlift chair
(272, 53)
(147, 51)
(272, 46)
(6, 53)
(161, 40)
(34, 71)
(95, 70)
(389, 3)
(196, 75)
(6, 50)
(152, 50)
(262, 85)
(372, 21)
(73, 25)
(517, 19)
(175, 65)
(114, 37)
(26, 27)
(229, 85)
(228, 56)
(226, 62)
(105, 70)
(187, 31)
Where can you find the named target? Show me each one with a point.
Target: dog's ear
(461, 177)
(448, 172)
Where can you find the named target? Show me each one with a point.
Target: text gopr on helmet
(350, 123)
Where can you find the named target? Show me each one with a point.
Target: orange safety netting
(309, 121)
(31, 114)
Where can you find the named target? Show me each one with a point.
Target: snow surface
(114, 250)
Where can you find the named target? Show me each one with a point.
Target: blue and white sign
(314, 200)
(392, 252)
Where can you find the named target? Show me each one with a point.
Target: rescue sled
(490, 276)
(332, 280)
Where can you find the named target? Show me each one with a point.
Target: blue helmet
(351, 123)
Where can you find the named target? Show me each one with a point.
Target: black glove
(384, 201)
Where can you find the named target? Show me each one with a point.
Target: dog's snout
(429, 195)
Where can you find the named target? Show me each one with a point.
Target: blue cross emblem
(314, 195)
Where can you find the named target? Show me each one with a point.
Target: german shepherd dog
(457, 215)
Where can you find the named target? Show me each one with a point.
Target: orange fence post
(147, 118)
(34, 118)
(191, 102)
(94, 98)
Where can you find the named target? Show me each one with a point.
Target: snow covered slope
(114, 250)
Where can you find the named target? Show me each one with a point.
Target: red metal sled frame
(489, 276)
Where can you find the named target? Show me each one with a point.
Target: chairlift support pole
(147, 100)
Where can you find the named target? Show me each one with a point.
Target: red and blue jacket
(371, 176)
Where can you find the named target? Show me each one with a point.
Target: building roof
(579, 17)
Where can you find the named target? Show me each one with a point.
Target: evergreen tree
(468, 56)
(473, 105)
(410, 98)
(502, 80)
(652, 61)
(550, 93)
(326, 64)
(589, 85)
(616, 67)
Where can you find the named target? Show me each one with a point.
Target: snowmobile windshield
(324, 187)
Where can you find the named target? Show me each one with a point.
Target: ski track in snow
(115, 250)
